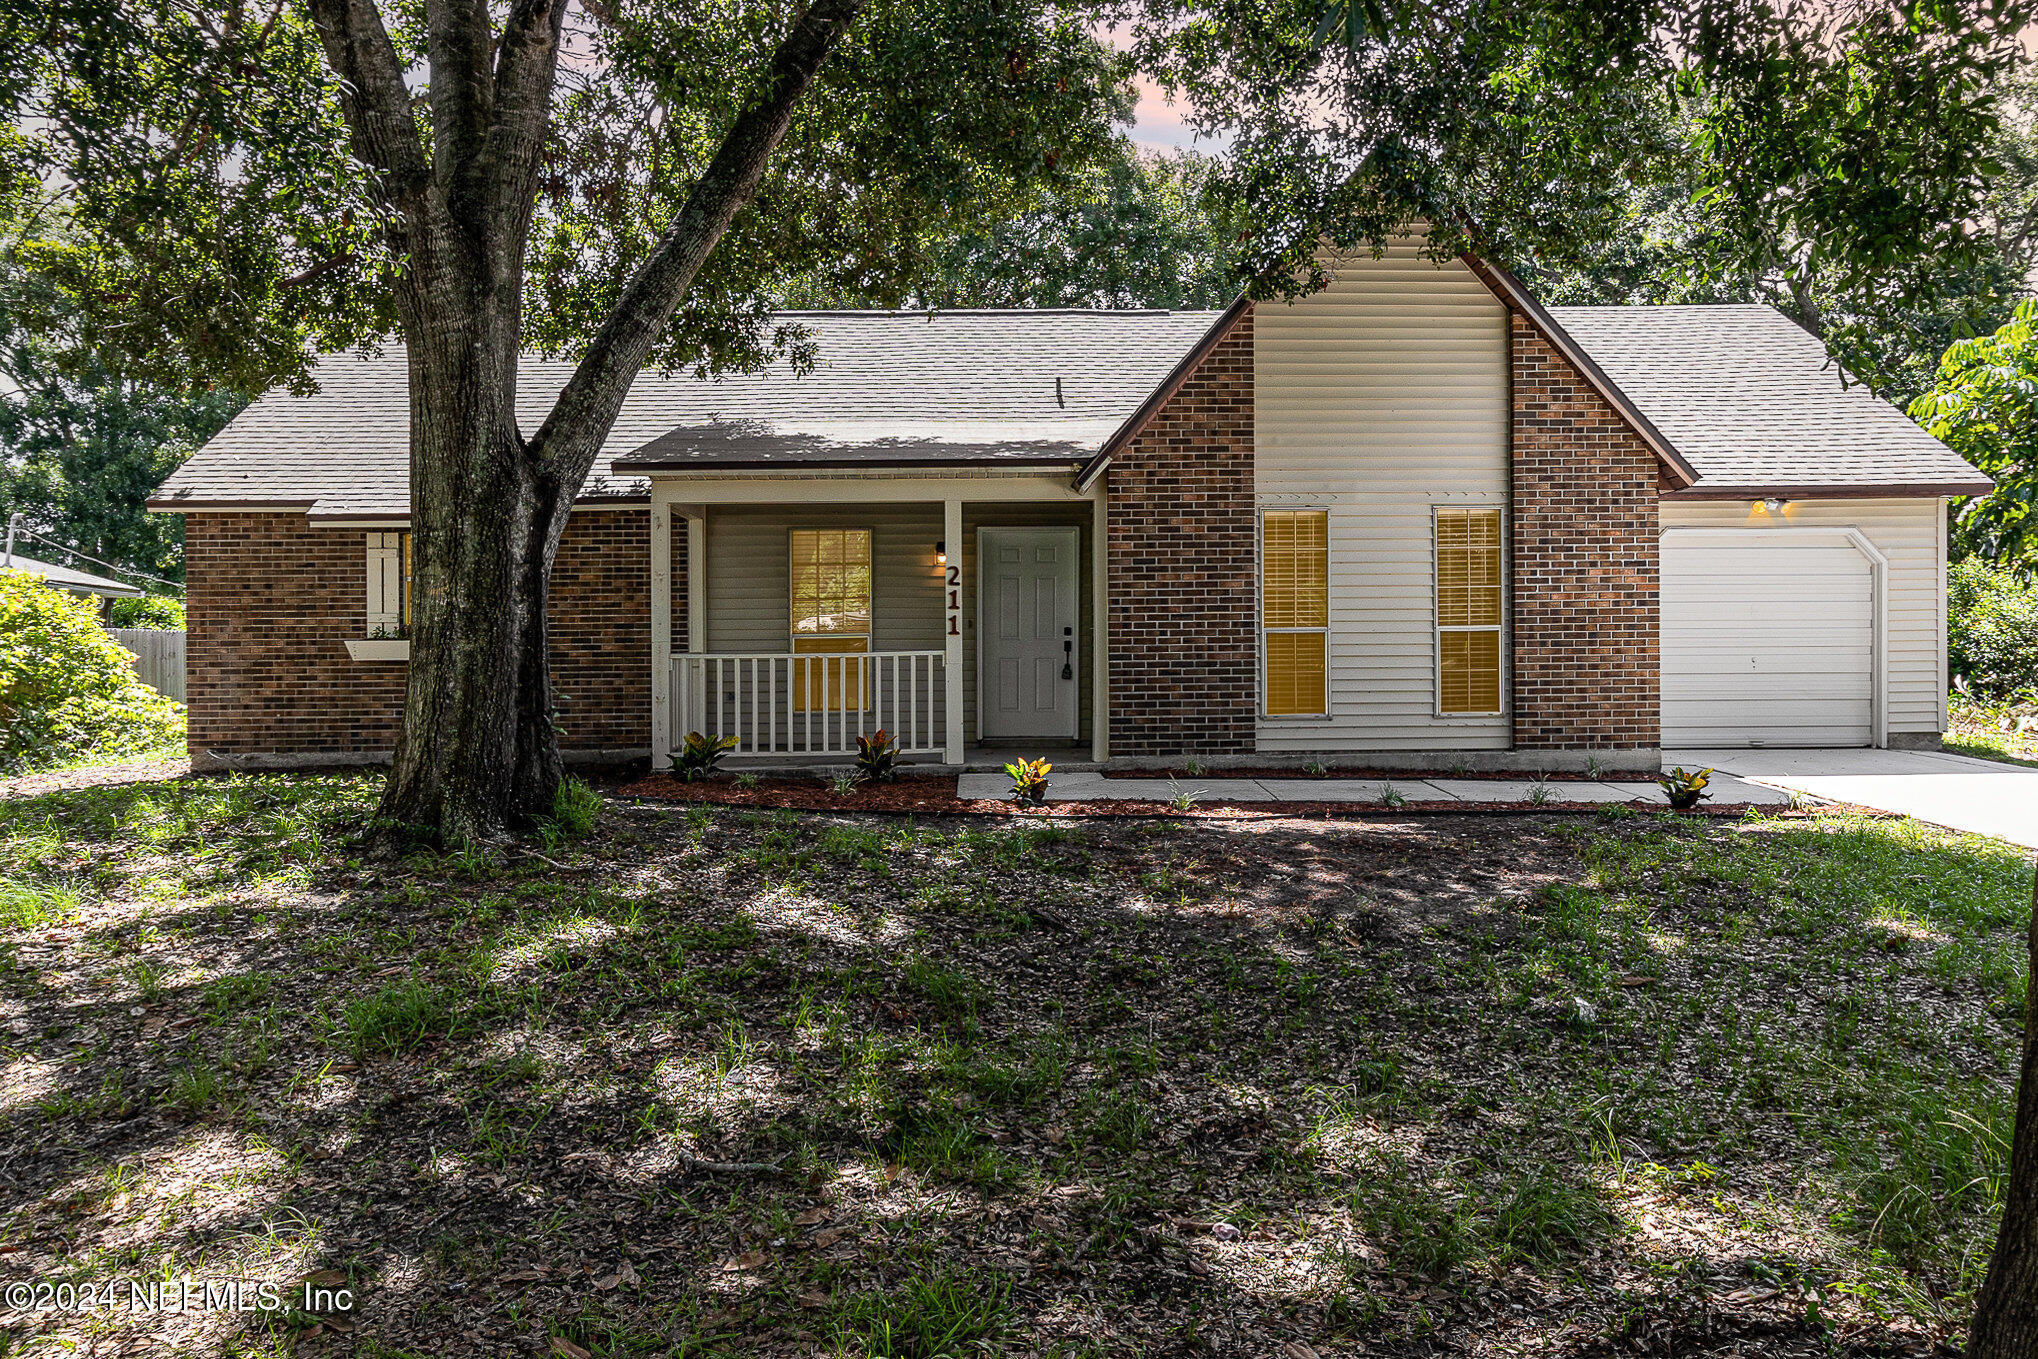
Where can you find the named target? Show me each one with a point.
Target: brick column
(1584, 549)
(1181, 559)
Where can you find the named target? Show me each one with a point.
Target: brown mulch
(1383, 775)
(935, 796)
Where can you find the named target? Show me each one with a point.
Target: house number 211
(955, 601)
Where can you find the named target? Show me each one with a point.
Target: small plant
(842, 785)
(400, 1016)
(1539, 792)
(876, 756)
(1029, 779)
(1686, 790)
(1391, 795)
(1193, 768)
(1315, 769)
(575, 806)
(699, 756)
(1592, 767)
(1183, 799)
(746, 781)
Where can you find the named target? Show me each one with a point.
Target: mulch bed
(1384, 775)
(935, 796)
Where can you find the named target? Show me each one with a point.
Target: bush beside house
(67, 690)
(1992, 632)
(157, 613)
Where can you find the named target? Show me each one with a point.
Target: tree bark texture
(478, 754)
(2006, 1316)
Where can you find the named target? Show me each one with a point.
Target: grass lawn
(1979, 736)
(708, 1082)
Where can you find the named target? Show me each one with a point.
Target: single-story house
(70, 578)
(1413, 519)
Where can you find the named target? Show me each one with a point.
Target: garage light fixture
(1775, 505)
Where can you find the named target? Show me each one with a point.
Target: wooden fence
(158, 658)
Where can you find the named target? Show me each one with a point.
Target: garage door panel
(1767, 644)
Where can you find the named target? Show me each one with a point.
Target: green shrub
(67, 689)
(1991, 630)
(158, 613)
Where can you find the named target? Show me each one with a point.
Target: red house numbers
(955, 601)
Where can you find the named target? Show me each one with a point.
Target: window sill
(379, 649)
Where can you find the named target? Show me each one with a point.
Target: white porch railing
(779, 704)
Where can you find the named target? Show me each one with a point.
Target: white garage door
(1767, 645)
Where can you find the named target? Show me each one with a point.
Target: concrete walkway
(1091, 787)
(1955, 791)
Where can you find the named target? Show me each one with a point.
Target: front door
(1027, 581)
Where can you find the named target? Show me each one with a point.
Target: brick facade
(1182, 558)
(272, 601)
(1583, 559)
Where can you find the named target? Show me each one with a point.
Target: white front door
(1027, 580)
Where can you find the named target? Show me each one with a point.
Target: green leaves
(1985, 407)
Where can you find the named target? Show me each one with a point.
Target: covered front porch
(964, 614)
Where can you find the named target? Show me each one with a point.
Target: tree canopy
(184, 174)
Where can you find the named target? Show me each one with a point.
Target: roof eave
(1881, 490)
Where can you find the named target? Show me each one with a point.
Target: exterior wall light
(941, 553)
(1775, 505)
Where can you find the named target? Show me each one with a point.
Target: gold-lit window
(830, 614)
(1468, 610)
(1295, 610)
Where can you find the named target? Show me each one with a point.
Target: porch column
(1100, 627)
(696, 578)
(661, 634)
(951, 665)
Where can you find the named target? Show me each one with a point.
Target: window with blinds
(1469, 608)
(830, 614)
(1295, 610)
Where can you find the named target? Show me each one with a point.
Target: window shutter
(385, 581)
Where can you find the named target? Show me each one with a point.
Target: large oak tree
(635, 181)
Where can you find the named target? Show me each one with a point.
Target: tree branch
(526, 67)
(573, 433)
(374, 99)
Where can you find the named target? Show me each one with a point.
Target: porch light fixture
(1775, 505)
(941, 553)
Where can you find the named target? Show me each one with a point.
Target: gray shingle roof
(887, 388)
(71, 578)
(1754, 404)
(1745, 396)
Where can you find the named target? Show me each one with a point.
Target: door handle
(1068, 651)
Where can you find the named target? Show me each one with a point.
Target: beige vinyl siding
(750, 578)
(1909, 533)
(750, 574)
(1377, 400)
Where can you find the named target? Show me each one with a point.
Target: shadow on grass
(729, 1083)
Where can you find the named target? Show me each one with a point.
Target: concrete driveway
(1947, 790)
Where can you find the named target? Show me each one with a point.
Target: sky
(1157, 124)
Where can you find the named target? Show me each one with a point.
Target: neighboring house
(69, 578)
(1414, 518)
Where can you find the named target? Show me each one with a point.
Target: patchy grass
(720, 1083)
(1978, 730)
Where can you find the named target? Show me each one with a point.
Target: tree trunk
(485, 530)
(2006, 1316)
(478, 754)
